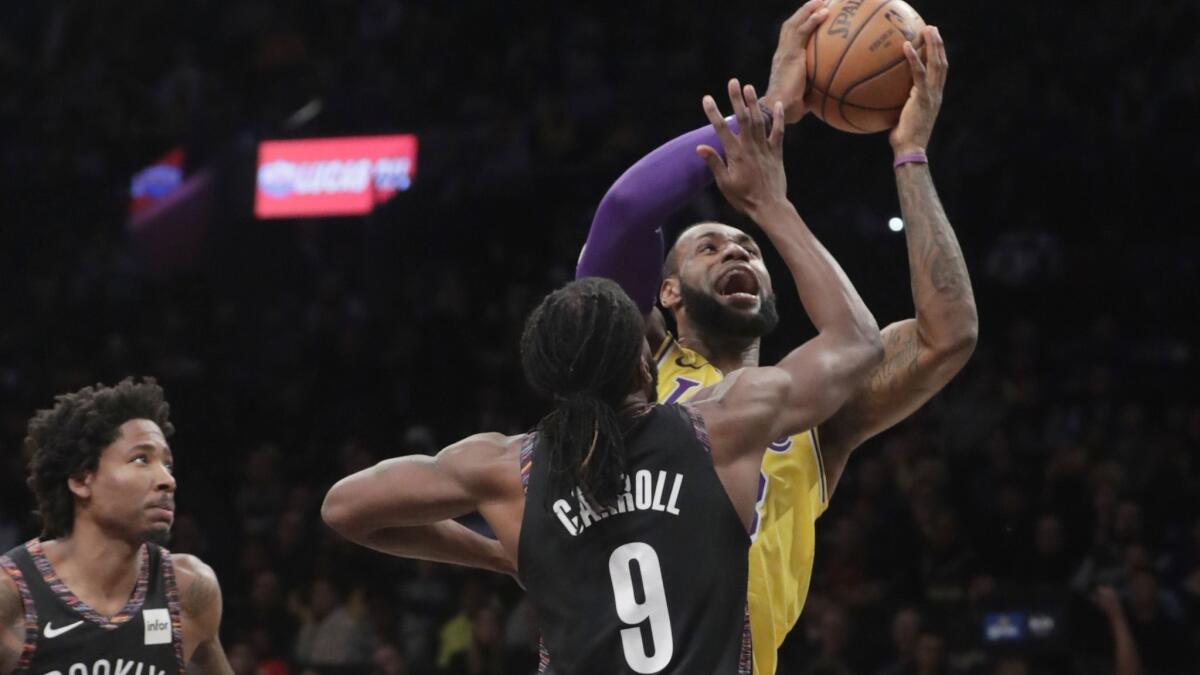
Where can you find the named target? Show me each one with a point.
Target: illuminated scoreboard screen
(332, 176)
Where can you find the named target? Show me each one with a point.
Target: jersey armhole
(698, 425)
(167, 564)
(823, 487)
(664, 348)
(31, 621)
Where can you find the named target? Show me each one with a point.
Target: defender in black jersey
(627, 522)
(96, 593)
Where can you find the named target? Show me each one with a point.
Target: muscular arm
(828, 369)
(200, 603)
(753, 406)
(923, 353)
(625, 242)
(12, 624)
(403, 506)
(816, 378)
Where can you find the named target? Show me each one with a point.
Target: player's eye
(707, 248)
(141, 458)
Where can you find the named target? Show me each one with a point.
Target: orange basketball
(858, 78)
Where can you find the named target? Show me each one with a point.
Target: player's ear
(80, 484)
(669, 295)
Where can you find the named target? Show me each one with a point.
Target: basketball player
(97, 594)
(628, 523)
(714, 336)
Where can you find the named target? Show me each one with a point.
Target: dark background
(295, 352)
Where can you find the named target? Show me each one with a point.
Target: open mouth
(738, 284)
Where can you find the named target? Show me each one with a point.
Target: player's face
(132, 491)
(723, 283)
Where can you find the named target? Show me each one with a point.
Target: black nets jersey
(653, 583)
(64, 636)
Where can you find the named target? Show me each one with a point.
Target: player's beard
(710, 315)
(157, 537)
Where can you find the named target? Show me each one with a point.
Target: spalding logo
(841, 23)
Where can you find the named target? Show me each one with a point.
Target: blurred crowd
(1037, 517)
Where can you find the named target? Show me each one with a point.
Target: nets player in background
(628, 522)
(97, 592)
(715, 335)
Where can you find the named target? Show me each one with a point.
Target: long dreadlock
(582, 346)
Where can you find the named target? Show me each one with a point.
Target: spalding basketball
(858, 78)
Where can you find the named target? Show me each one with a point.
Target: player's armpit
(209, 659)
(912, 371)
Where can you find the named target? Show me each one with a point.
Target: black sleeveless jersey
(64, 635)
(653, 583)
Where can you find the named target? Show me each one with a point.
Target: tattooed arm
(200, 606)
(12, 625)
(921, 354)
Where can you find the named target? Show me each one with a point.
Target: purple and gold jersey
(791, 495)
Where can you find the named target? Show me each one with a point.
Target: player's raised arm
(625, 242)
(404, 506)
(922, 353)
(815, 379)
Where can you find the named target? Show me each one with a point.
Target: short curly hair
(67, 440)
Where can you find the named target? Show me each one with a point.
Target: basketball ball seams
(849, 44)
(857, 105)
(884, 71)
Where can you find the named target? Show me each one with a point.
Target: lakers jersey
(791, 494)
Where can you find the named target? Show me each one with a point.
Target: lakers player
(597, 510)
(96, 593)
(718, 328)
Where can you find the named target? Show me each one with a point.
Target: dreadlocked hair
(67, 440)
(582, 346)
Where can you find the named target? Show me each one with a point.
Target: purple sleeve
(625, 243)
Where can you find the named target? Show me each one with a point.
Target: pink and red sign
(332, 176)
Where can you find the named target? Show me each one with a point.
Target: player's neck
(97, 567)
(726, 353)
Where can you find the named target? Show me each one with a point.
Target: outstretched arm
(816, 378)
(404, 507)
(625, 242)
(922, 354)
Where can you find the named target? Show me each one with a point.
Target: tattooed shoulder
(198, 587)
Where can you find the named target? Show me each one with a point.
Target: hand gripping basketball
(912, 132)
(789, 70)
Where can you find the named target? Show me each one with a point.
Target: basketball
(858, 78)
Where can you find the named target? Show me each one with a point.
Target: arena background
(296, 351)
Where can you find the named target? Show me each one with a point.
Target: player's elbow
(338, 511)
(958, 343)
